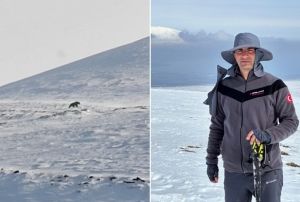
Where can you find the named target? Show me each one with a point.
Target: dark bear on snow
(74, 104)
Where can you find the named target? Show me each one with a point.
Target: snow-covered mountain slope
(161, 34)
(96, 152)
(165, 34)
(117, 75)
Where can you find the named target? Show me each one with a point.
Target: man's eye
(250, 51)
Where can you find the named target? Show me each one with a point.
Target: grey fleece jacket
(261, 102)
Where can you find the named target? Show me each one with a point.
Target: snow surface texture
(96, 152)
(179, 133)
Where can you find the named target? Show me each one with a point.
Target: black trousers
(239, 187)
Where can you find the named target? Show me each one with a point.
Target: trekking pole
(257, 156)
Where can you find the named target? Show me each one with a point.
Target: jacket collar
(257, 71)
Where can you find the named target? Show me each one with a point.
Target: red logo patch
(289, 98)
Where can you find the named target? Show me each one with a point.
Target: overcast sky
(39, 35)
(266, 18)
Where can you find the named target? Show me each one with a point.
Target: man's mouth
(245, 61)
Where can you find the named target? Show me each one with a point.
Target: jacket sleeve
(286, 116)
(216, 132)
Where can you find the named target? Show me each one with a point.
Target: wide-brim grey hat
(246, 40)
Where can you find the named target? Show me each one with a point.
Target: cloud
(203, 36)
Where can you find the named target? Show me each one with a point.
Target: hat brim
(228, 55)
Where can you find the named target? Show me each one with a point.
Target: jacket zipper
(242, 123)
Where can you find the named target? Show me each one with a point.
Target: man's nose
(245, 54)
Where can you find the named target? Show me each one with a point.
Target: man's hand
(213, 172)
(258, 136)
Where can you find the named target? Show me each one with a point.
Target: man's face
(245, 58)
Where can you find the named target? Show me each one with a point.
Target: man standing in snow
(248, 106)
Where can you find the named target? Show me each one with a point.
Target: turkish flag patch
(289, 98)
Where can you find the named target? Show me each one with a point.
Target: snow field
(103, 151)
